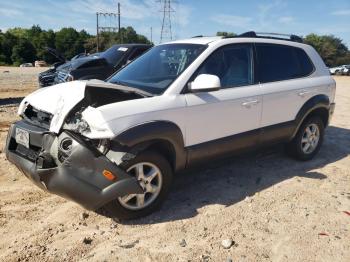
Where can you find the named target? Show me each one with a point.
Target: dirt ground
(273, 208)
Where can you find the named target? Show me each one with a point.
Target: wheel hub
(149, 177)
(310, 138)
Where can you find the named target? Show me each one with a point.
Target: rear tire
(151, 163)
(308, 140)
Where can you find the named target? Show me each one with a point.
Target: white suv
(117, 144)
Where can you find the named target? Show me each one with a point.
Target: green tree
(23, 52)
(226, 34)
(332, 49)
(66, 42)
(7, 41)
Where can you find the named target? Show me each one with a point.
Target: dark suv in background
(94, 66)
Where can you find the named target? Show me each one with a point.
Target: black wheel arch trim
(149, 133)
(315, 102)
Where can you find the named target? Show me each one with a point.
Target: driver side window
(233, 65)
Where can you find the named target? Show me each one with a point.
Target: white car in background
(346, 70)
(338, 70)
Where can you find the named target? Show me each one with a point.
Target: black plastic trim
(156, 131)
(79, 177)
(222, 147)
(316, 102)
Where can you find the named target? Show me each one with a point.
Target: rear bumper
(77, 176)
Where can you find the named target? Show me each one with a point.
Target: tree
(23, 52)
(7, 41)
(332, 50)
(226, 34)
(19, 45)
(66, 42)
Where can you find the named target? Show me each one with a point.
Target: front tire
(307, 142)
(154, 174)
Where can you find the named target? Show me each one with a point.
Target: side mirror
(205, 83)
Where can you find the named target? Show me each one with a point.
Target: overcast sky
(191, 17)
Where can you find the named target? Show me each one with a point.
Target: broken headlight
(77, 124)
(102, 145)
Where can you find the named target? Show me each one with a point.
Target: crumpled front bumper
(78, 176)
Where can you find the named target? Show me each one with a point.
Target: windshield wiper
(132, 89)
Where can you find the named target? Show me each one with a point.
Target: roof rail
(253, 34)
(196, 36)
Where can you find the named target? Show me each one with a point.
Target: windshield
(114, 54)
(154, 71)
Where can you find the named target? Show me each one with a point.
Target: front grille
(37, 117)
(31, 153)
(62, 76)
(47, 78)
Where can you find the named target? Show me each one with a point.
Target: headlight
(69, 78)
(77, 125)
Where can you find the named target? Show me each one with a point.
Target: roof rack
(287, 37)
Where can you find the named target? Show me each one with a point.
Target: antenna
(166, 33)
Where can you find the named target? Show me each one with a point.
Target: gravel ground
(259, 207)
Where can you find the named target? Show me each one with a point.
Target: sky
(191, 17)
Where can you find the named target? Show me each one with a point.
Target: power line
(112, 28)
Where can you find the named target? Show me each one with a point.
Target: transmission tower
(166, 33)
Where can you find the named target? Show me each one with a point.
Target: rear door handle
(250, 103)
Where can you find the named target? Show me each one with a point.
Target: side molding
(153, 132)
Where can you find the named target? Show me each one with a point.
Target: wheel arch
(316, 106)
(164, 137)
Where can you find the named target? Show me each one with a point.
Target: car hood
(56, 54)
(59, 100)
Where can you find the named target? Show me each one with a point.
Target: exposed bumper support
(77, 177)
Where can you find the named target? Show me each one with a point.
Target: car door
(284, 86)
(221, 121)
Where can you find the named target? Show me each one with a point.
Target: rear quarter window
(280, 62)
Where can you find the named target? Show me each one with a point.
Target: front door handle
(250, 103)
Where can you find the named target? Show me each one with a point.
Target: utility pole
(112, 28)
(151, 35)
(119, 33)
(166, 33)
(97, 34)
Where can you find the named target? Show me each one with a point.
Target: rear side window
(137, 53)
(279, 62)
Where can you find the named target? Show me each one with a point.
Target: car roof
(236, 39)
(202, 40)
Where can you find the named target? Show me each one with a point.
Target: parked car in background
(95, 66)
(346, 70)
(26, 65)
(117, 144)
(47, 77)
(338, 70)
(40, 63)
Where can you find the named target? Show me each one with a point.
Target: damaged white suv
(117, 144)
